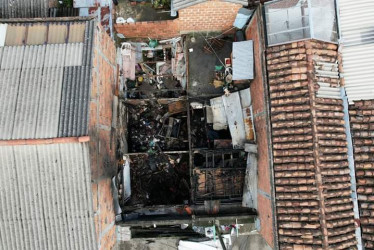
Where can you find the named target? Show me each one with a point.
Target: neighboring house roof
(24, 8)
(46, 197)
(356, 24)
(45, 78)
(181, 4)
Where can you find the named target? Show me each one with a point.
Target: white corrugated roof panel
(357, 31)
(46, 197)
(242, 60)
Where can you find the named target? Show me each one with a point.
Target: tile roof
(46, 197)
(362, 128)
(23, 8)
(312, 177)
(45, 78)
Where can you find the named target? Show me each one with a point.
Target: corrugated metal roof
(181, 4)
(46, 197)
(3, 28)
(24, 8)
(45, 89)
(242, 60)
(357, 30)
(356, 22)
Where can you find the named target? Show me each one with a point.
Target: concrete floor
(201, 65)
(253, 241)
(141, 12)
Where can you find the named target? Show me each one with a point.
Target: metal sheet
(55, 55)
(74, 102)
(74, 54)
(356, 22)
(23, 8)
(12, 57)
(32, 101)
(57, 33)
(3, 29)
(181, 4)
(16, 35)
(242, 60)
(27, 104)
(235, 119)
(9, 82)
(36, 34)
(76, 33)
(219, 115)
(356, 27)
(245, 99)
(49, 104)
(358, 72)
(45, 196)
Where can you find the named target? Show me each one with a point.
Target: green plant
(66, 3)
(161, 3)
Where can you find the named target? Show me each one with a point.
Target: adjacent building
(57, 80)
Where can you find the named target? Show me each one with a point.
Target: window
(294, 20)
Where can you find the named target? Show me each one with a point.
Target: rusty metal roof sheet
(44, 89)
(46, 197)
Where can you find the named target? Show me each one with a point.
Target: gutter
(351, 164)
(44, 141)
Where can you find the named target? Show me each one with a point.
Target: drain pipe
(352, 172)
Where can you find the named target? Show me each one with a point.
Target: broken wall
(102, 140)
(312, 181)
(209, 16)
(259, 94)
(362, 129)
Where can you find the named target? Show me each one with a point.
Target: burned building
(219, 121)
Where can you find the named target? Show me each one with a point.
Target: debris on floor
(154, 69)
(159, 179)
(153, 129)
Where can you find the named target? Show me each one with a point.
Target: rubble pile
(152, 129)
(159, 179)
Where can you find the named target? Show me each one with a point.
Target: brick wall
(314, 206)
(362, 128)
(259, 95)
(156, 30)
(102, 148)
(209, 16)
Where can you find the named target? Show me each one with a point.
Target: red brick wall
(102, 148)
(362, 128)
(156, 30)
(312, 181)
(260, 112)
(209, 16)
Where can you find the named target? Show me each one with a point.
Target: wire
(212, 49)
